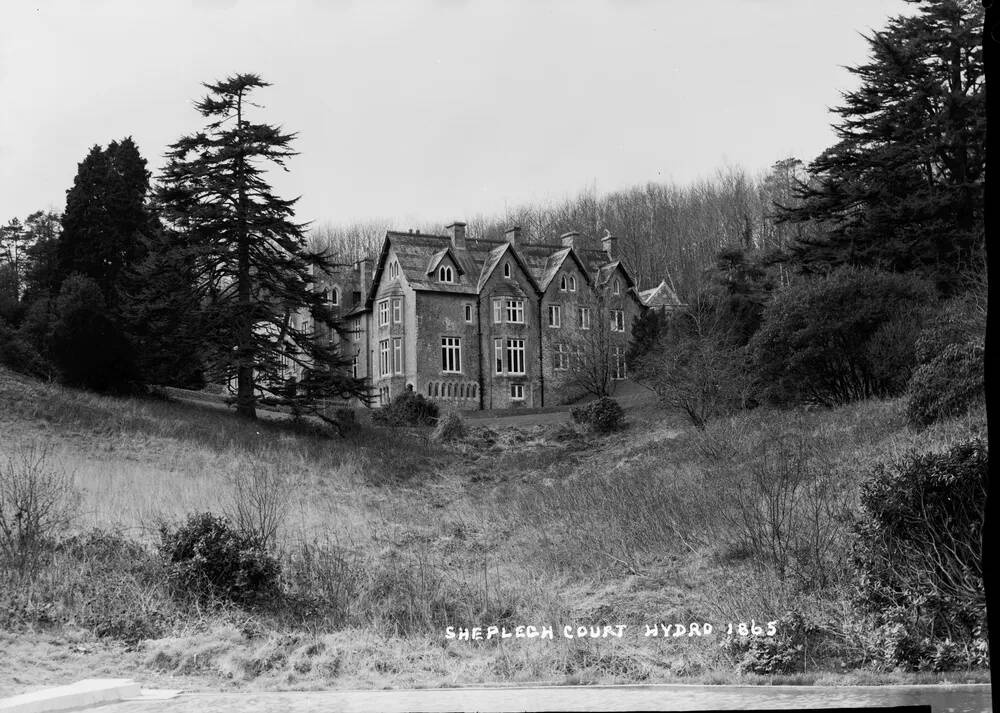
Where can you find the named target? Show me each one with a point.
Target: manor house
(480, 324)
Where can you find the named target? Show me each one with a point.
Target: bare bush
(37, 503)
(696, 367)
(260, 500)
(784, 505)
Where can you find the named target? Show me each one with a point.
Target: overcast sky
(433, 111)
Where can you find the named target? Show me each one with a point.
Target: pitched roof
(659, 296)
(419, 255)
(413, 253)
(545, 261)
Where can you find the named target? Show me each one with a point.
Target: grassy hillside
(386, 538)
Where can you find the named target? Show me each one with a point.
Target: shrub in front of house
(955, 321)
(843, 337)
(949, 385)
(407, 409)
(918, 556)
(209, 557)
(604, 415)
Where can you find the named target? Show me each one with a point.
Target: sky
(429, 111)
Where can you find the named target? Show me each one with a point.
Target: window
(585, 318)
(567, 283)
(497, 311)
(563, 284)
(555, 316)
(572, 283)
(397, 355)
(445, 274)
(451, 354)
(515, 356)
(498, 354)
(506, 269)
(517, 392)
(354, 366)
(397, 310)
(468, 312)
(560, 361)
(335, 296)
(383, 313)
(617, 320)
(578, 357)
(393, 270)
(355, 296)
(616, 287)
(619, 356)
(515, 311)
(383, 357)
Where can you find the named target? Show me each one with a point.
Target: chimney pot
(457, 233)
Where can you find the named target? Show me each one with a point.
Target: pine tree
(106, 218)
(902, 188)
(252, 265)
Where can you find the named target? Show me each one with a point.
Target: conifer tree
(106, 218)
(902, 188)
(250, 258)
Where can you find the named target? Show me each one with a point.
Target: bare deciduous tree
(695, 367)
(37, 501)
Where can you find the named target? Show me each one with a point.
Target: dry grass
(397, 536)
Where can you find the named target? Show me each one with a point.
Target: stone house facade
(479, 324)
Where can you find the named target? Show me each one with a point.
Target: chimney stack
(513, 235)
(457, 231)
(610, 244)
(569, 239)
(364, 268)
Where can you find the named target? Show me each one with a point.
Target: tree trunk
(245, 397)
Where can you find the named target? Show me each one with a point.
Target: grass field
(398, 537)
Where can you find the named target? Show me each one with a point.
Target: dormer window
(506, 269)
(616, 287)
(393, 270)
(446, 274)
(567, 283)
(334, 296)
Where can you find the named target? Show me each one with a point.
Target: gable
(564, 264)
(500, 256)
(444, 258)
